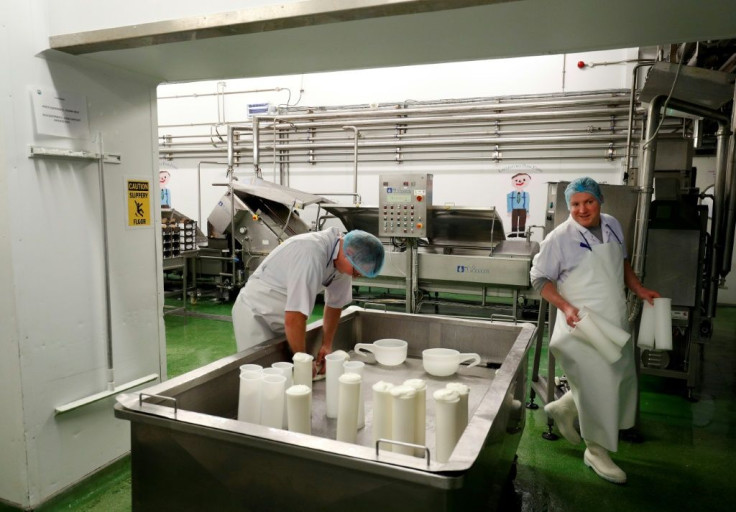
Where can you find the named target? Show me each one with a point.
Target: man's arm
(295, 326)
(550, 294)
(632, 283)
(330, 319)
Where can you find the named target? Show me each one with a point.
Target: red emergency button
(419, 199)
(419, 225)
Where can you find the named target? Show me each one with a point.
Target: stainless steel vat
(188, 453)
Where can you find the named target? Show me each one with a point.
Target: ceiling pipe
(356, 136)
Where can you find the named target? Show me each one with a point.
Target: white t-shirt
(301, 267)
(561, 251)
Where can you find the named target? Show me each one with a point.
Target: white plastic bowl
(442, 362)
(388, 351)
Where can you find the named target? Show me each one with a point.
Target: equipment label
(139, 203)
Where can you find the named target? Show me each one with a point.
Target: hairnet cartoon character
(517, 204)
(163, 180)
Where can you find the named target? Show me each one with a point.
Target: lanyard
(586, 244)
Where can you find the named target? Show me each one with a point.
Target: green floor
(683, 463)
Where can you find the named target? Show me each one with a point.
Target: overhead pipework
(541, 127)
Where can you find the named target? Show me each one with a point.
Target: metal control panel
(403, 201)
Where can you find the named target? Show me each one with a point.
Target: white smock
(604, 393)
(289, 279)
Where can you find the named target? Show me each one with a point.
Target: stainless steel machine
(678, 226)
(247, 223)
(189, 453)
(440, 249)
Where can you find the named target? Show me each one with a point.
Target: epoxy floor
(685, 462)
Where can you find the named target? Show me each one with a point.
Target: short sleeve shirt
(563, 248)
(301, 267)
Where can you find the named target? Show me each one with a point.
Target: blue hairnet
(585, 184)
(364, 252)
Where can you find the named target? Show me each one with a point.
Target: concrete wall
(52, 298)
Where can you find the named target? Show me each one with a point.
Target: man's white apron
(604, 393)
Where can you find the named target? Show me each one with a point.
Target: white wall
(13, 470)
(53, 280)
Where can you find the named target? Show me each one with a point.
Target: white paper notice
(61, 114)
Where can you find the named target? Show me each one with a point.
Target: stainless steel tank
(190, 453)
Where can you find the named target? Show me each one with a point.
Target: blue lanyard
(585, 244)
(614, 234)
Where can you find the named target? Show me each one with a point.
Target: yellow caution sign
(139, 203)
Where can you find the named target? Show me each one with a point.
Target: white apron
(604, 393)
(258, 314)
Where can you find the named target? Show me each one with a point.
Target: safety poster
(139, 203)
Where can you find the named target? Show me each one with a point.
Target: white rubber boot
(597, 457)
(564, 412)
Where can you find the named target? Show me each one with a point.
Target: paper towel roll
(463, 392)
(333, 370)
(272, 399)
(446, 404)
(420, 407)
(249, 400)
(586, 330)
(663, 323)
(357, 367)
(347, 409)
(287, 370)
(403, 413)
(299, 408)
(303, 369)
(613, 332)
(646, 327)
(382, 412)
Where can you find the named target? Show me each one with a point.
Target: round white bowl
(388, 351)
(442, 362)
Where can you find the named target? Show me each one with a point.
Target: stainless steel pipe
(730, 214)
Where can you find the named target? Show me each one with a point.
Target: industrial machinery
(678, 226)
(441, 249)
(180, 239)
(190, 453)
(246, 224)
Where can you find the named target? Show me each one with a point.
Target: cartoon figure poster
(163, 180)
(517, 204)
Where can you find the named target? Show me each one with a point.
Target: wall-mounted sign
(139, 203)
(61, 114)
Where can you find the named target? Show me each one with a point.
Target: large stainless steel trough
(189, 453)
